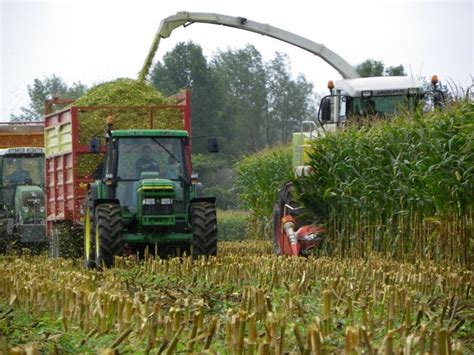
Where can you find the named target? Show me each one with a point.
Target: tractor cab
(148, 173)
(22, 194)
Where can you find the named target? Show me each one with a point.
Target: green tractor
(147, 199)
(22, 217)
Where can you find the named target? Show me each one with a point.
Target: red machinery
(291, 234)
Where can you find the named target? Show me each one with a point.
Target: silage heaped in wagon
(136, 97)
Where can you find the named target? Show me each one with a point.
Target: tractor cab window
(162, 156)
(145, 157)
(383, 106)
(20, 170)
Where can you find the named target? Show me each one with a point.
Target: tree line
(247, 102)
(236, 95)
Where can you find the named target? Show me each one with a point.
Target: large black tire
(108, 222)
(204, 228)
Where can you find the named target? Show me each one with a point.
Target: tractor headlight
(148, 201)
(25, 209)
(166, 201)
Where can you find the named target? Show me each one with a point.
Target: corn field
(403, 188)
(244, 301)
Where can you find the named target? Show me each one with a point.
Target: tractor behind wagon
(22, 217)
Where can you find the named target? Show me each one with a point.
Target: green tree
(290, 101)
(186, 67)
(370, 67)
(242, 79)
(40, 90)
(398, 70)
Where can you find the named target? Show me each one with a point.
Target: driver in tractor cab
(20, 175)
(146, 162)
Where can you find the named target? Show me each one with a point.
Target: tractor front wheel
(108, 234)
(204, 228)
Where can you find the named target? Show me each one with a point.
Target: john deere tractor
(22, 217)
(147, 198)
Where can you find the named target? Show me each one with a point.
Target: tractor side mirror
(326, 109)
(94, 145)
(213, 145)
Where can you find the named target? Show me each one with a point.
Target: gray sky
(94, 41)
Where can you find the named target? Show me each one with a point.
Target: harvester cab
(355, 99)
(22, 204)
(147, 197)
(368, 97)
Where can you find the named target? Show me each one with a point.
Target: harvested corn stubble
(238, 302)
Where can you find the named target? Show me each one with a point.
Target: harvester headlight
(25, 209)
(366, 94)
(41, 209)
(166, 201)
(148, 201)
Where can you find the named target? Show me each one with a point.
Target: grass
(232, 224)
(244, 300)
(259, 178)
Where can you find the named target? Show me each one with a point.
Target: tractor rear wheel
(204, 228)
(108, 234)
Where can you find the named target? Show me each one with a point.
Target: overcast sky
(94, 41)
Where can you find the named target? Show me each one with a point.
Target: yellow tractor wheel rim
(97, 241)
(87, 235)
